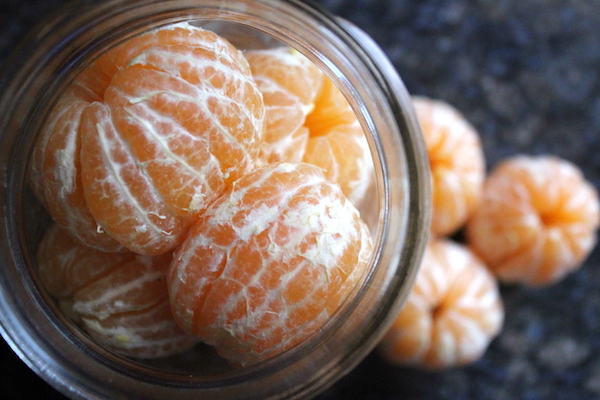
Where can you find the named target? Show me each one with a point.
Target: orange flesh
(56, 175)
(343, 153)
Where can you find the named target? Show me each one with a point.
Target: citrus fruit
(289, 83)
(331, 109)
(344, 155)
(452, 313)
(457, 163)
(337, 143)
(118, 193)
(537, 220)
(55, 173)
(265, 261)
(119, 299)
(176, 118)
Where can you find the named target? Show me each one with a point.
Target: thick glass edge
(417, 218)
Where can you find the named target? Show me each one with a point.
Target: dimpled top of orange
(174, 116)
(120, 299)
(331, 110)
(537, 220)
(289, 83)
(452, 313)
(265, 261)
(457, 163)
(337, 143)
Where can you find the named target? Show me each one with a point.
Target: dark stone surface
(526, 74)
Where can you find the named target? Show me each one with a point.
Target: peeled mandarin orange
(457, 163)
(267, 261)
(537, 220)
(452, 313)
(59, 260)
(337, 143)
(174, 116)
(344, 155)
(119, 299)
(289, 83)
(118, 192)
(55, 169)
(55, 172)
(194, 82)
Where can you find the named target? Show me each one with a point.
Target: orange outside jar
(396, 209)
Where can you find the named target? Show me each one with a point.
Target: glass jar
(398, 210)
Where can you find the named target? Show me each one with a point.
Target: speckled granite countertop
(526, 74)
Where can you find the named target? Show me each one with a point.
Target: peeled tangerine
(120, 299)
(146, 137)
(308, 119)
(289, 83)
(337, 143)
(268, 262)
(537, 220)
(457, 163)
(452, 313)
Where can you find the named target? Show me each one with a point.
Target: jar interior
(202, 361)
(386, 210)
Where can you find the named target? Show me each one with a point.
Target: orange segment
(537, 220)
(457, 163)
(452, 313)
(265, 260)
(331, 110)
(91, 83)
(120, 299)
(132, 287)
(289, 83)
(285, 135)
